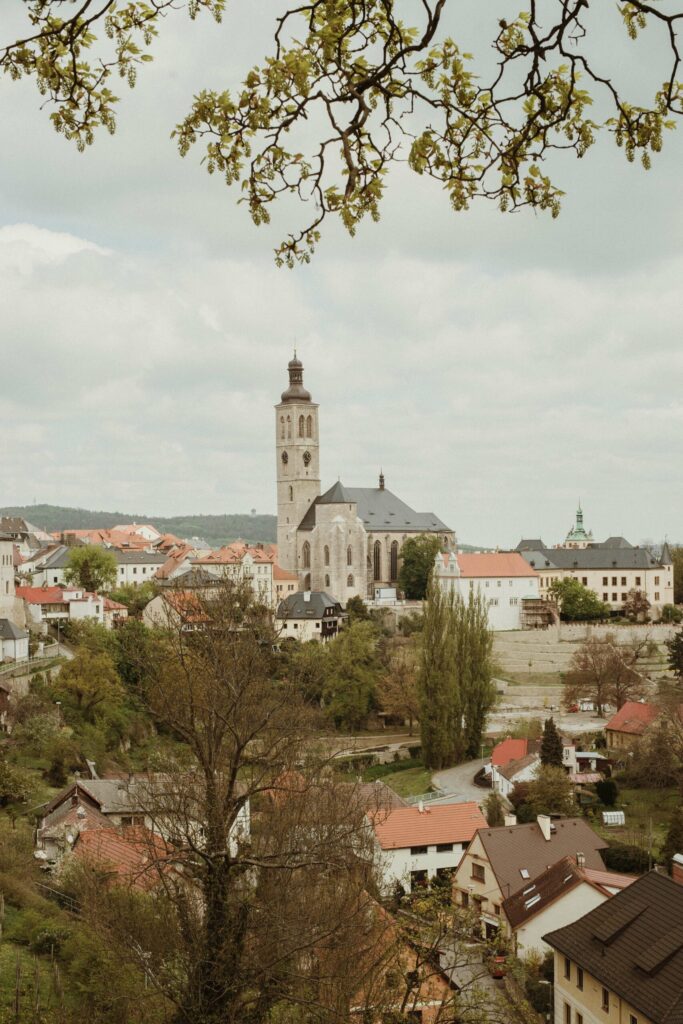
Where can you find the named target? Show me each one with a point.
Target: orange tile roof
(443, 823)
(498, 564)
(51, 595)
(283, 574)
(633, 718)
(508, 750)
(609, 879)
(134, 855)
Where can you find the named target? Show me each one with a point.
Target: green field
(407, 778)
(645, 810)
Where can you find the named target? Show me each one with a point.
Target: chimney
(381, 480)
(544, 825)
(510, 819)
(580, 859)
(307, 595)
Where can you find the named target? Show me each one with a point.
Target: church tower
(298, 462)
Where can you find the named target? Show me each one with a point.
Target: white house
(13, 642)
(422, 842)
(504, 778)
(49, 605)
(562, 893)
(136, 567)
(308, 615)
(504, 579)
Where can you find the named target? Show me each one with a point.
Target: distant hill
(216, 530)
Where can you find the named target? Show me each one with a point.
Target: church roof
(378, 508)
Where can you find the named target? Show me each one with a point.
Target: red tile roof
(609, 879)
(444, 823)
(633, 718)
(497, 564)
(134, 855)
(283, 574)
(508, 750)
(53, 595)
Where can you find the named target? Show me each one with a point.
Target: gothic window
(285, 458)
(394, 560)
(289, 426)
(327, 581)
(349, 556)
(307, 581)
(327, 555)
(349, 580)
(307, 458)
(291, 493)
(309, 426)
(306, 553)
(301, 426)
(377, 561)
(282, 427)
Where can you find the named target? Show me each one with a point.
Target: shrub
(623, 857)
(670, 613)
(607, 791)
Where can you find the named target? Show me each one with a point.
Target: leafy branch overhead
(350, 89)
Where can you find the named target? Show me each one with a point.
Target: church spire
(381, 479)
(296, 392)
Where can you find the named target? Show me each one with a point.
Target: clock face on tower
(285, 458)
(307, 458)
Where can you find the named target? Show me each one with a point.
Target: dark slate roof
(191, 578)
(633, 944)
(512, 849)
(8, 631)
(296, 607)
(379, 509)
(541, 891)
(530, 544)
(596, 557)
(138, 557)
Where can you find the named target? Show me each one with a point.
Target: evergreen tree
(440, 712)
(493, 808)
(417, 562)
(551, 744)
(674, 838)
(675, 656)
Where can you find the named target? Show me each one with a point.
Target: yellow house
(622, 963)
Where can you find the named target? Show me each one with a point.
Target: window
(135, 569)
(309, 426)
(567, 1014)
(282, 428)
(605, 597)
(486, 584)
(513, 600)
(444, 847)
(656, 581)
(632, 1019)
(326, 555)
(584, 580)
(349, 556)
(464, 899)
(291, 493)
(377, 561)
(605, 580)
(567, 967)
(306, 554)
(656, 595)
(623, 581)
(496, 909)
(605, 1000)
(349, 580)
(615, 597)
(614, 581)
(479, 872)
(637, 581)
(289, 426)
(301, 426)
(499, 583)
(394, 560)
(327, 580)
(623, 597)
(415, 850)
(579, 978)
(579, 1018)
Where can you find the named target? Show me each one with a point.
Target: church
(348, 540)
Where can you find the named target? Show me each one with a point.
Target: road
(458, 781)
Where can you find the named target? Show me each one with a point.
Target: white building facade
(503, 579)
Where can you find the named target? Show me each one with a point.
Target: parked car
(573, 709)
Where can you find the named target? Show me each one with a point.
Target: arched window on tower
(309, 426)
(282, 427)
(291, 493)
(349, 580)
(377, 561)
(301, 426)
(306, 554)
(289, 426)
(349, 556)
(307, 581)
(394, 560)
(327, 581)
(326, 555)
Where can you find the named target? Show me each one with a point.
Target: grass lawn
(642, 807)
(407, 778)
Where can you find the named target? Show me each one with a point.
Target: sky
(498, 368)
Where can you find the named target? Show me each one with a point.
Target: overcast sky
(497, 367)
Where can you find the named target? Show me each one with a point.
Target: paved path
(458, 781)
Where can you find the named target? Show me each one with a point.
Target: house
(284, 583)
(422, 842)
(609, 568)
(13, 642)
(308, 615)
(622, 962)
(53, 605)
(136, 567)
(628, 725)
(48, 566)
(499, 862)
(173, 609)
(503, 578)
(505, 778)
(510, 749)
(239, 561)
(115, 613)
(132, 856)
(556, 897)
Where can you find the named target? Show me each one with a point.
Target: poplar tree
(440, 713)
(474, 643)
(551, 744)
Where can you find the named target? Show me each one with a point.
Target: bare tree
(607, 672)
(398, 693)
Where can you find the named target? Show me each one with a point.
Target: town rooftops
(132, 855)
(553, 883)
(409, 826)
(309, 604)
(518, 853)
(508, 750)
(513, 768)
(501, 564)
(53, 595)
(633, 718)
(8, 631)
(378, 508)
(633, 945)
